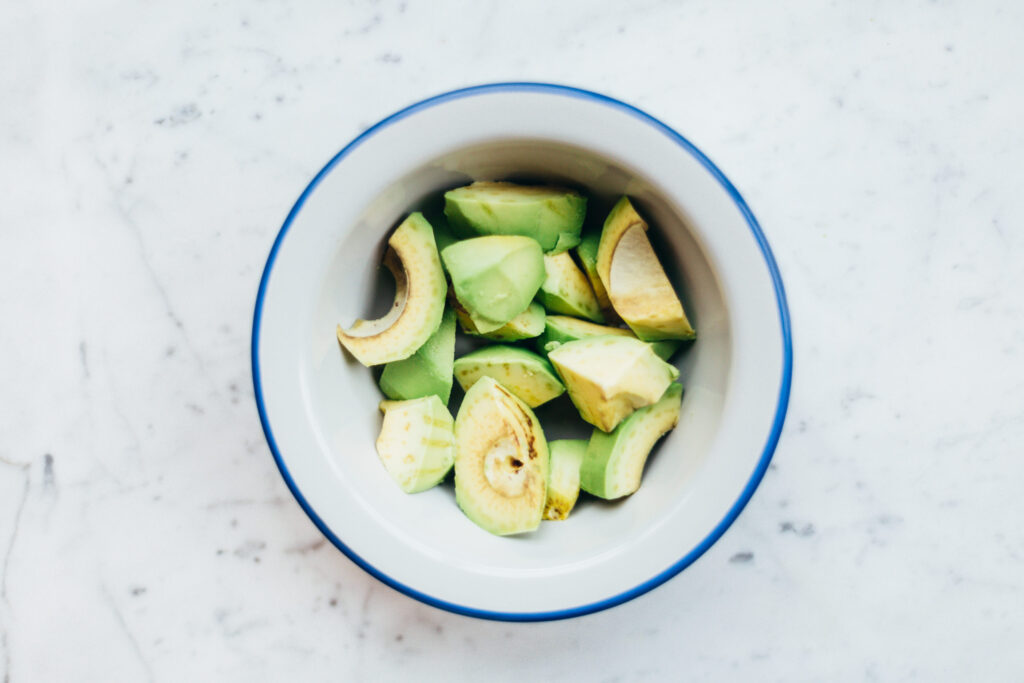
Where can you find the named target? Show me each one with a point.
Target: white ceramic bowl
(319, 407)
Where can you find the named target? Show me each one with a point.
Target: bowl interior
(342, 396)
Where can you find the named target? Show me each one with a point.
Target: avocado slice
(416, 442)
(426, 372)
(559, 329)
(566, 289)
(562, 329)
(587, 253)
(564, 477)
(614, 463)
(637, 285)
(420, 290)
(495, 278)
(527, 375)
(526, 325)
(501, 460)
(551, 215)
(610, 377)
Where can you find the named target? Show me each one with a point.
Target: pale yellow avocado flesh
(420, 290)
(416, 442)
(636, 283)
(609, 377)
(566, 456)
(501, 460)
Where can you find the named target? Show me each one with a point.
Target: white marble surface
(148, 154)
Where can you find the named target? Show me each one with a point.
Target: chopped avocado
(426, 372)
(551, 215)
(566, 289)
(416, 442)
(610, 377)
(587, 251)
(559, 328)
(665, 348)
(494, 277)
(419, 299)
(527, 324)
(614, 463)
(527, 375)
(443, 234)
(564, 477)
(501, 460)
(637, 285)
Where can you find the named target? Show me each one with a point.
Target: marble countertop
(149, 153)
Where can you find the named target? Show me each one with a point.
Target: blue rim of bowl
(780, 410)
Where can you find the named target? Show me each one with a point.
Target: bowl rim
(780, 297)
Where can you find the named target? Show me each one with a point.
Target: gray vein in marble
(14, 532)
(123, 625)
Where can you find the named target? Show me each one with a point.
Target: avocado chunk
(637, 285)
(426, 372)
(416, 442)
(666, 348)
(614, 463)
(526, 325)
(551, 215)
(528, 376)
(610, 377)
(420, 291)
(566, 289)
(564, 477)
(562, 329)
(587, 253)
(495, 278)
(559, 329)
(501, 460)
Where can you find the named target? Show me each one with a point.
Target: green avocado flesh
(551, 215)
(416, 442)
(587, 252)
(495, 278)
(614, 463)
(566, 289)
(561, 329)
(426, 372)
(526, 325)
(528, 376)
(609, 377)
(420, 292)
(501, 460)
(564, 477)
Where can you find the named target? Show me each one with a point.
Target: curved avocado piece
(528, 376)
(526, 325)
(426, 372)
(566, 289)
(495, 278)
(417, 442)
(501, 460)
(420, 290)
(587, 253)
(614, 463)
(610, 377)
(564, 477)
(637, 285)
(551, 215)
